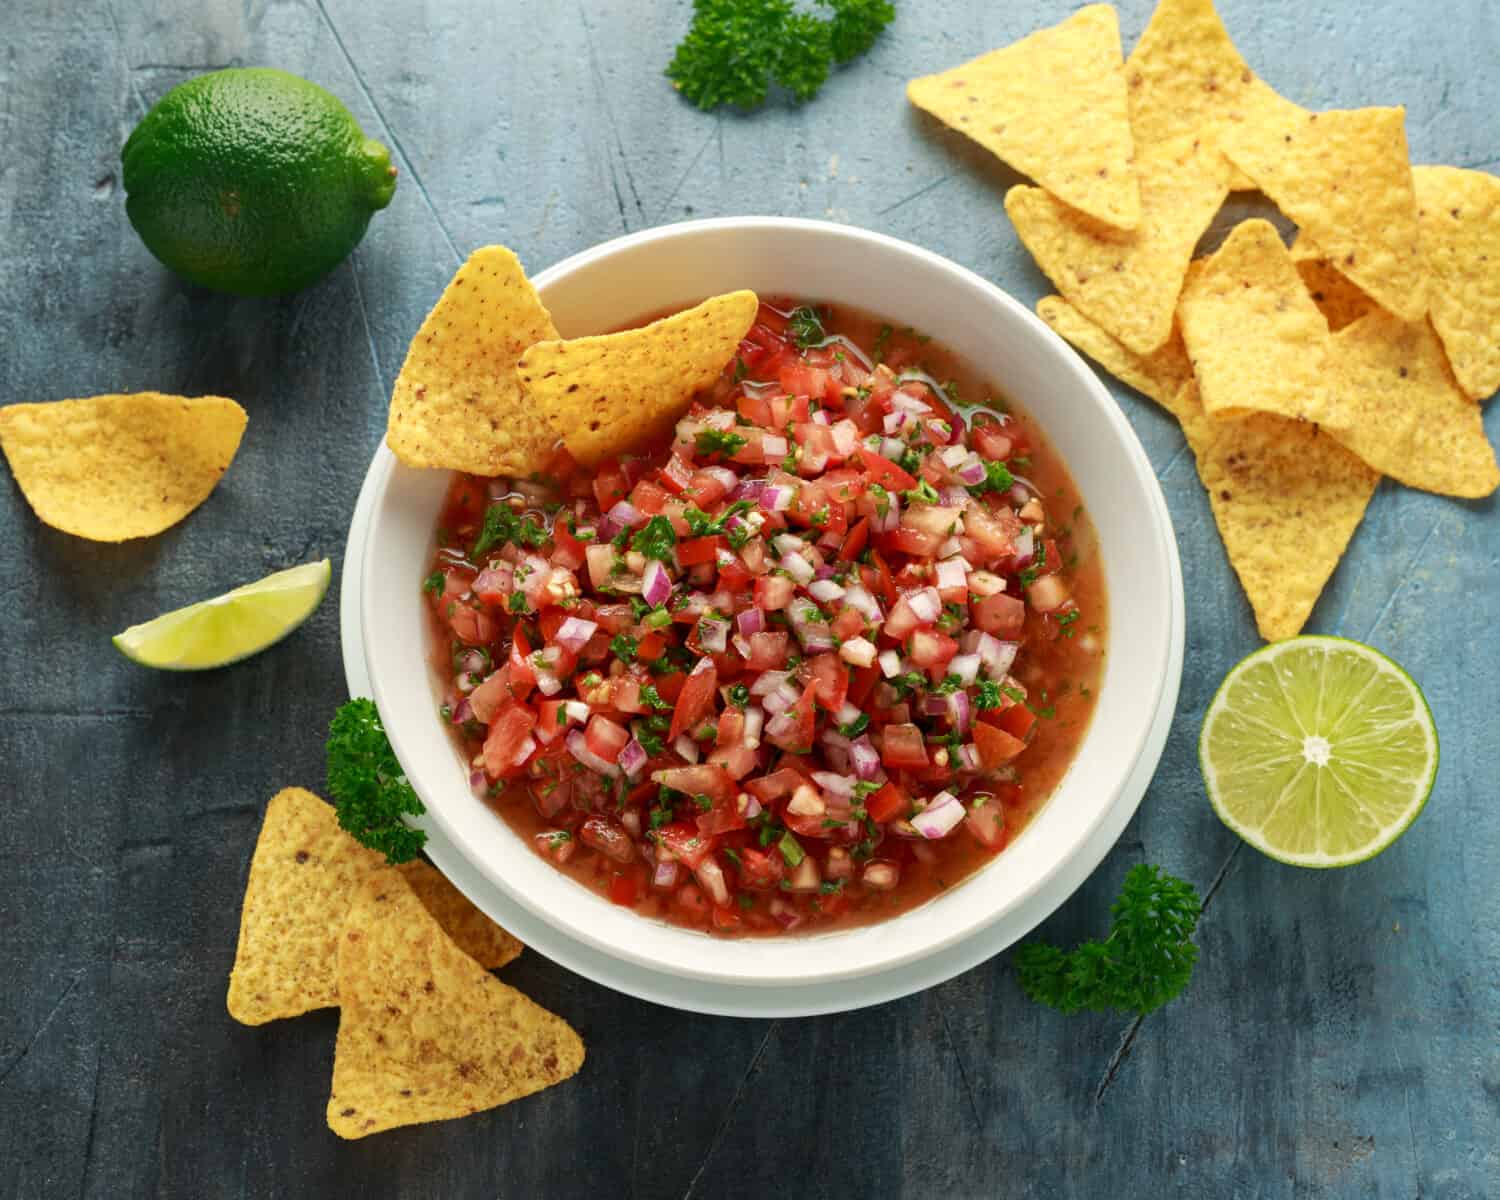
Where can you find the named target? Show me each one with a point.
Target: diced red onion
(724, 475)
(777, 497)
(926, 604)
(907, 403)
(815, 638)
(720, 418)
(479, 782)
(890, 663)
(780, 725)
(776, 703)
(858, 651)
(860, 600)
(633, 757)
(826, 571)
(959, 711)
(971, 471)
(951, 574)
(832, 737)
(664, 876)
(465, 682)
(1025, 546)
(768, 681)
(574, 633)
(748, 489)
(952, 456)
(968, 756)
(797, 567)
(578, 747)
(687, 748)
(941, 817)
(938, 431)
(713, 634)
(935, 706)
(711, 876)
(547, 683)
(864, 757)
(752, 808)
(1005, 658)
(463, 712)
(966, 667)
(837, 785)
(624, 515)
(953, 496)
(755, 719)
(752, 620)
(826, 591)
(820, 417)
(891, 448)
(656, 584)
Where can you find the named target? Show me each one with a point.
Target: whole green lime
(253, 181)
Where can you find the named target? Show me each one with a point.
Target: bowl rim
(1166, 679)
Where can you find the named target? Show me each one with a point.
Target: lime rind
(229, 628)
(1319, 751)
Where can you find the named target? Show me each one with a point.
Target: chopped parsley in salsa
(784, 671)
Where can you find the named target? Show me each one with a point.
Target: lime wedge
(1318, 751)
(214, 633)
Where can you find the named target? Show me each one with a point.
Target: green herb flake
(655, 539)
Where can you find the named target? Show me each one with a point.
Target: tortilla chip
(1286, 498)
(457, 404)
(425, 1033)
(1184, 76)
(1337, 296)
(471, 930)
(1159, 375)
(1401, 410)
(1458, 212)
(302, 876)
(1256, 339)
(1052, 106)
(114, 467)
(1342, 176)
(1128, 282)
(616, 391)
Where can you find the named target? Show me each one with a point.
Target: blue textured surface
(1343, 1034)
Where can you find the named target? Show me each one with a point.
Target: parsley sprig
(735, 48)
(1146, 960)
(369, 789)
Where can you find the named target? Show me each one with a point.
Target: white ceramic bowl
(676, 266)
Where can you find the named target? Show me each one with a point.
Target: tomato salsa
(811, 662)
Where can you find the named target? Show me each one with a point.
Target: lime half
(214, 633)
(1318, 751)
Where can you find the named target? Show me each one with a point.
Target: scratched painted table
(1343, 1034)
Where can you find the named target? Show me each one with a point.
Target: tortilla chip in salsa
(614, 392)
(109, 468)
(457, 404)
(1052, 105)
(425, 1033)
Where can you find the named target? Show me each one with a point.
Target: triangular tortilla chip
(1286, 497)
(1052, 106)
(1128, 282)
(1344, 177)
(1400, 409)
(1256, 339)
(1159, 375)
(302, 876)
(457, 405)
(1458, 212)
(1185, 75)
(114, 467)
(425, 1033)
(614, 392)
(1337, 296)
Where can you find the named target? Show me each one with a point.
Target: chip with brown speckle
(425, 1033)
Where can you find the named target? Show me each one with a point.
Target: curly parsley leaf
(369, 789)
(806, 327)
(500, 526)
(997, 478)
(718, 441)
(655, 539)
(1146, 960)
(734, 49)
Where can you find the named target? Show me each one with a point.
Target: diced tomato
(610, 486)
(724, 816)
(996, 747)
(490, 696)
(1017, 720)
(692, 901)
(799, 379)
(676, 475)
(760, 870)
(990, 440)
(625, 888)
(796, 734)
(650, 647)
(905, 540)
(705, 489)
(739, 760)
(684, 843)
(567, 550)
(649, 497)
(471, 626)
(779, 783)
(734, 575)
(902, 746)
(703, 779)
(855, 539)
(1052, 559)
(901, 620)
(884, 472)
(986, 821)
(696, 700)
(829, 679)
(928, 648)
(507, 739)
(888, 803)
(848, 623)
(699, 550)
(550, 719)
(606, 738)
(768, 651)
(522, 674)
(670, 685)
(1000, 615)
(862, 684)
(992, 532)
(773, 592)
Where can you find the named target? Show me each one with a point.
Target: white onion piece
(858, 651)
(890, 663)
(940, 818)
(966, 667)
(687, 748)
(925, 604)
